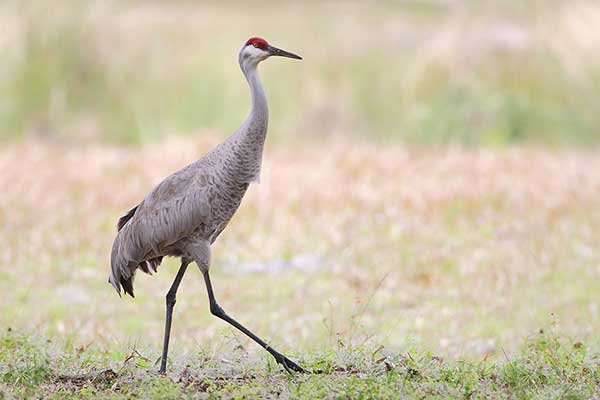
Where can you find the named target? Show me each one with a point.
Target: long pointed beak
(274, 51)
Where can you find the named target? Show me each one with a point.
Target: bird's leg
(216, 310)
(171, 297)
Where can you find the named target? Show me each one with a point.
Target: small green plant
(548, 366)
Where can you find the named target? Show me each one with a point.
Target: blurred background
(431, 178)
(430, 71)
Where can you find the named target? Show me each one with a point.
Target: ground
(427, 223)
(547, 367)
(386, 270)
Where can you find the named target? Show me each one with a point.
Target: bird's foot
(288, 364)
(163, 366)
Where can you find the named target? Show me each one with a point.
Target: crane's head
(257, 49)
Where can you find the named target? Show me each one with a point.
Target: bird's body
(185, 213)
(191, 207)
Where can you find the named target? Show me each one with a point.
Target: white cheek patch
(255, 53)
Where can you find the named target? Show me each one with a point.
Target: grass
(546, 367)
(490, 73)
(388, 267)
(451, 259)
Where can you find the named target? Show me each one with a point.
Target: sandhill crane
(185, 213)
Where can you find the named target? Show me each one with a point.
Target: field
(346, 250)
(426, 226)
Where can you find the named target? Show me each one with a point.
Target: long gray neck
(246, 144)
(260, 111)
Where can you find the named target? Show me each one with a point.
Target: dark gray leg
(171, 295)
(216, 310)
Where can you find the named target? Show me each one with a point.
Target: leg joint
(216, 310)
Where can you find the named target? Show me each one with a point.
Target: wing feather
(171, 212)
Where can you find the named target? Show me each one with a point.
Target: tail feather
(145, 267)
(123, 220)
(122, 271)
(127, 285)
(151, 265)
(155, 262)
(122, 278)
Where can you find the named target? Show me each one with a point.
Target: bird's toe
(289, 365)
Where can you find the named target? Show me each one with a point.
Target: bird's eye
(255, 44)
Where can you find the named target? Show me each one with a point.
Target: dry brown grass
(460, 251)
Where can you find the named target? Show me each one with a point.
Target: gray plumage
(187, 211)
